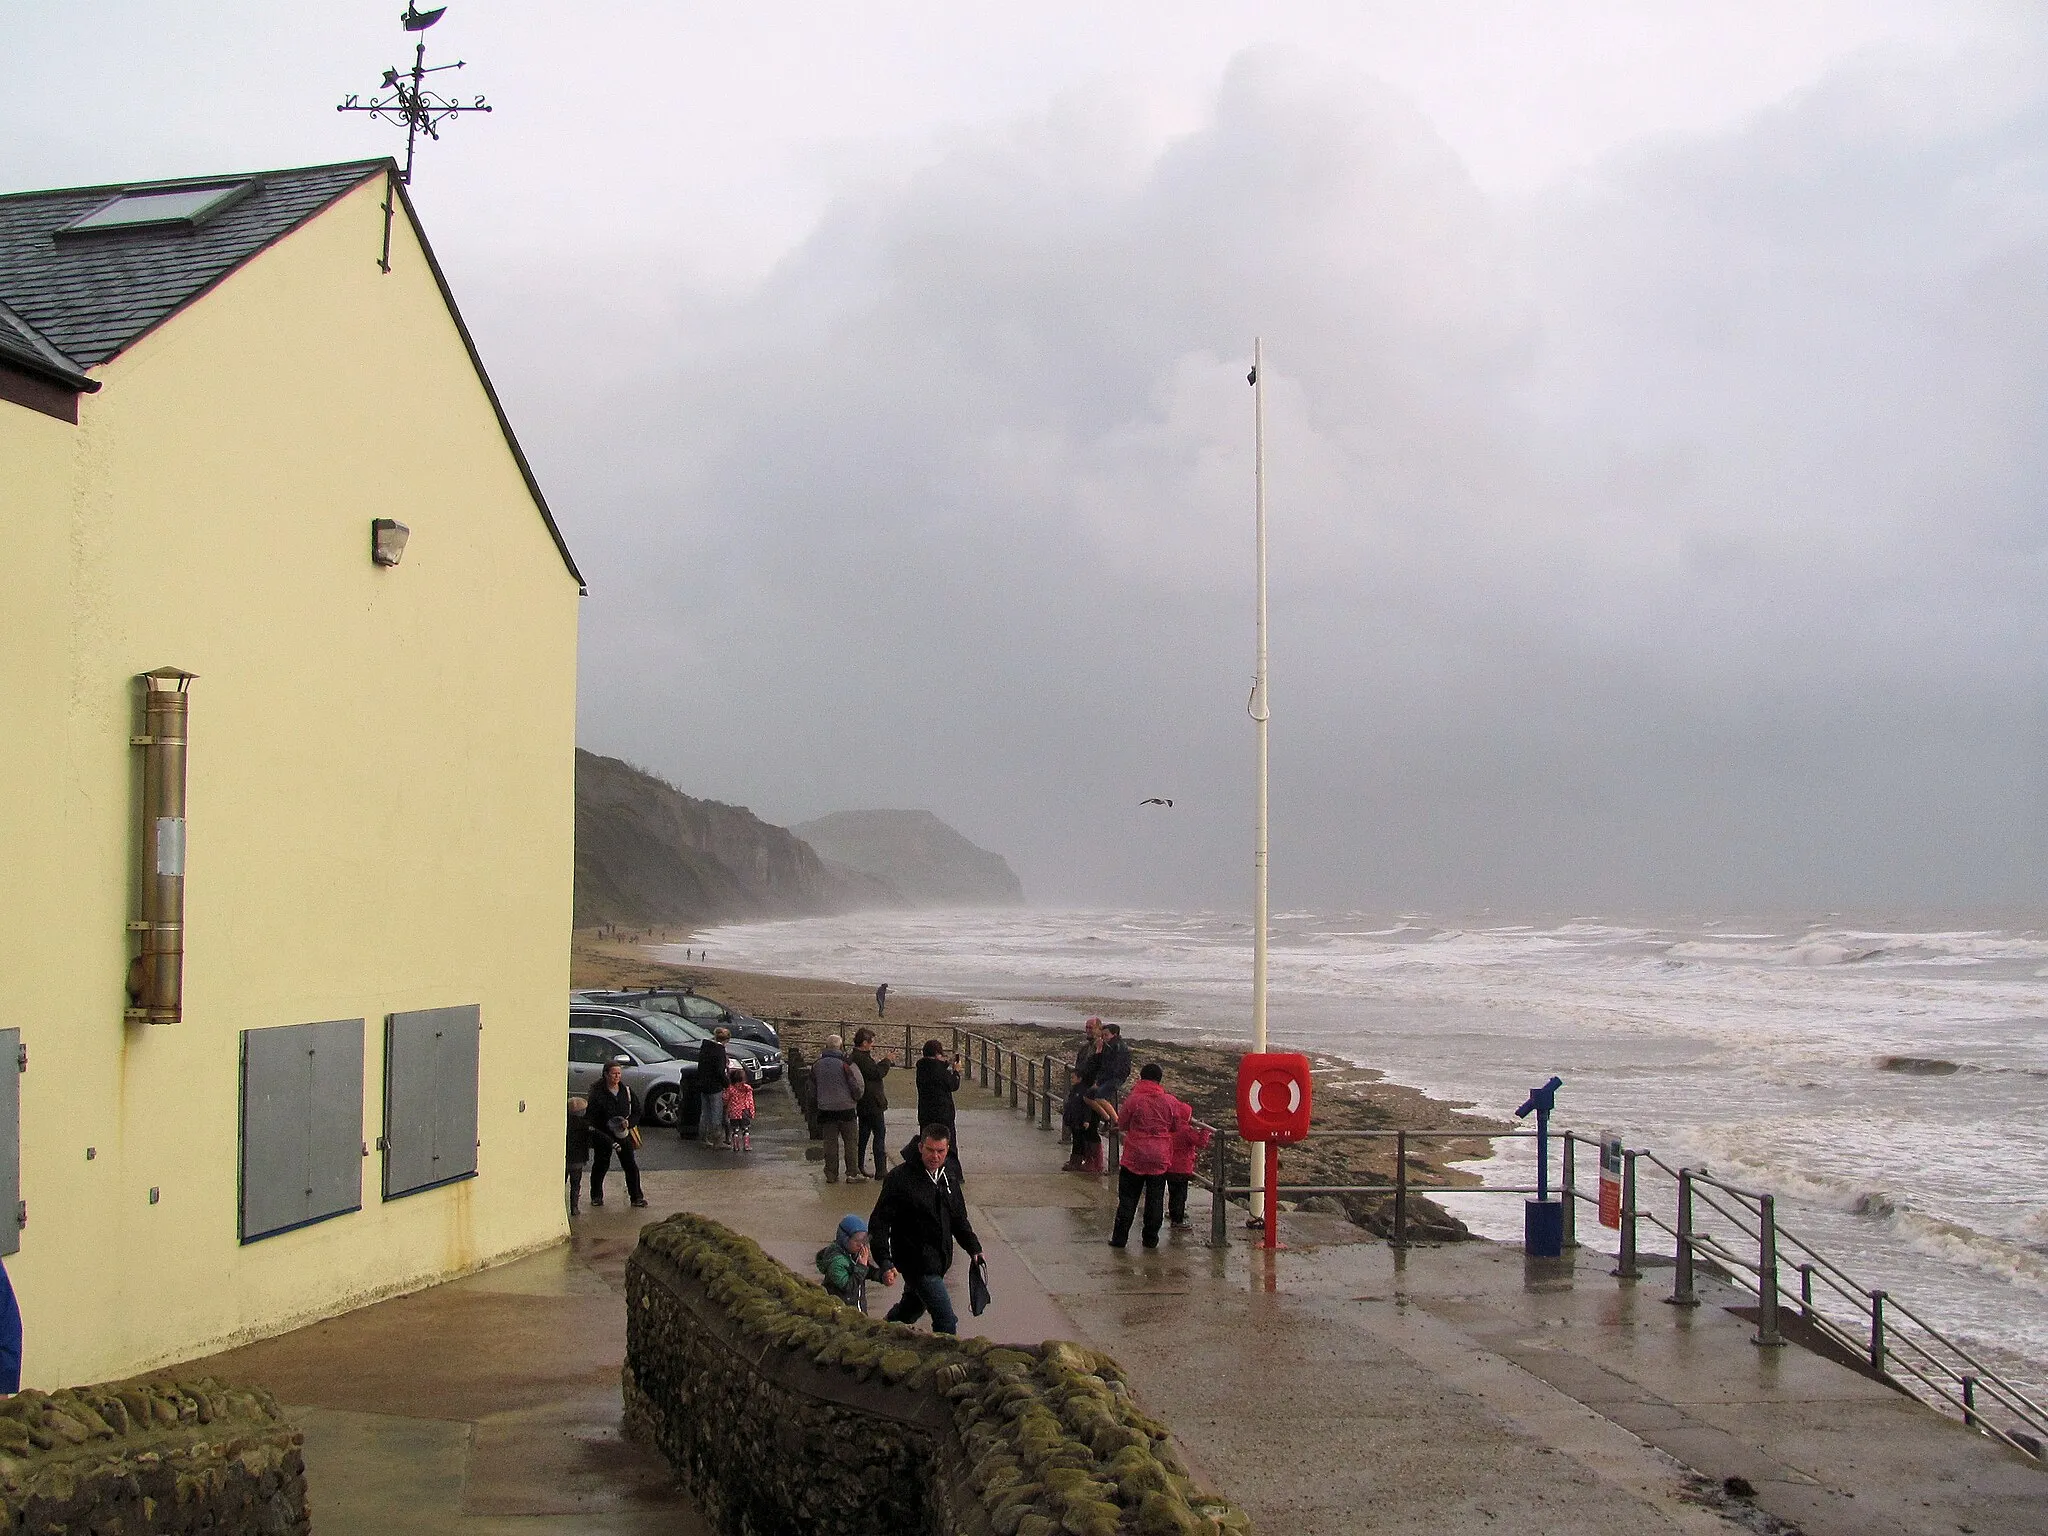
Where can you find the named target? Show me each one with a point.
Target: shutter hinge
(21, 1213)
(21, 1058)
(141, 741)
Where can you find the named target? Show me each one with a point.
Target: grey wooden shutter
(10, 1141)
(430, 1097)
(302, 1125)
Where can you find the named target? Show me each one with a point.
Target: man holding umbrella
(920, 1214)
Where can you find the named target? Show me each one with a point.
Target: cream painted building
(208, 391)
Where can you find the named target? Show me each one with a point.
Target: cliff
(646, 853)
(916, 854)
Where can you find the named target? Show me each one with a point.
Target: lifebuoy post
(1274, 1101)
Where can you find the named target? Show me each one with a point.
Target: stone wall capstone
(144, 1458)
(782, 1410)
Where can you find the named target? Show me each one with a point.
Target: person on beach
(838, 1086)
(847, 1263)
(1149, 1120)
(578, 1156)
(611, 1116)
(713, 1065)
(938, 1079)
(917, 1219)
(882, 1001)
(739, 1111)
(1190, 1141)
(1076, 1114)
(874, 1102)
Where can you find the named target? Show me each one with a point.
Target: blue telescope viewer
(1543, 1217)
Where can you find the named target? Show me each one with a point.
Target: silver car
(656, 1078)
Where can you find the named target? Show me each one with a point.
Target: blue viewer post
(1543, 1217)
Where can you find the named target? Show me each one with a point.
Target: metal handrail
(1921, 1359)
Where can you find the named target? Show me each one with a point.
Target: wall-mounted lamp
(387, 541)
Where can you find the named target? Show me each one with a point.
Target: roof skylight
(170, 206)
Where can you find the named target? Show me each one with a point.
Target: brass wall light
(387, 541)
(156, 976)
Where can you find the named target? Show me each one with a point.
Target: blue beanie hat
(851, 1225)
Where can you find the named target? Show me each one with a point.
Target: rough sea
(1889, 1087)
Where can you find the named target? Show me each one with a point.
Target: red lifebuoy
(1274, 1096)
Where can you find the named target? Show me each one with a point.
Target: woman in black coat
(611, 1115)
(937, 1081)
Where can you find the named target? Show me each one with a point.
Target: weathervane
(407, 100)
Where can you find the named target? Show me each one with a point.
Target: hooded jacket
(1190, 1141)
(917, 1219)
(1149, 1117)
(845, 1275)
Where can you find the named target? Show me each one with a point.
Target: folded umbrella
(977, 1286)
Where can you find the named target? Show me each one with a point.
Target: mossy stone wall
(782, 1410)
(150, 1457)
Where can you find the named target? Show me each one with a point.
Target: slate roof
(71, 302)
(92, 296)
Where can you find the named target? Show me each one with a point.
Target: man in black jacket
(712, 1065)
(915, 1223)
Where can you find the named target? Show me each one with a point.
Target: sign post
(1610, 1179)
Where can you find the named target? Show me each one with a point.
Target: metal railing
(1737, 1232)
(1732, 1230)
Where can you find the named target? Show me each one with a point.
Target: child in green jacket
(845, 1264)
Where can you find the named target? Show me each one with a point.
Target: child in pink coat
(1190, 1141)
(739, 1111)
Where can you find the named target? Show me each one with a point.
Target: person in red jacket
(1147, 1118)
(1190, 1141)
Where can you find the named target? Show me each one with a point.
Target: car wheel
(665, 1106)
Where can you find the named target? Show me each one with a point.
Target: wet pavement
(1337, 1386)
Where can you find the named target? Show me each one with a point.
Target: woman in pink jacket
(1148, 1119)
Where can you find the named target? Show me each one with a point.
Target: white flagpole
(1261, 717)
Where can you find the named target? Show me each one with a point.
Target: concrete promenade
(1334, 1387)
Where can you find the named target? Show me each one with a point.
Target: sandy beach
(1348, 1096)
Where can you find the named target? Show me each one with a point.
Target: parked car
(657, 1079)
(679, 1036)
(698, 1009)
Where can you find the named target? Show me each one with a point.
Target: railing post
(1030, 1090)
(1681, 1275)
(1806, 1292)
(1626, 1269)
(1045, 1098)
(956, 1038)
(1219, 1177)
(909, 1055)
(1013, 1083)
(1066, 1133)
(1400, 1189)
(1571, 1195)
(1767, 1333)
(984, 1061)
(999, 1072)
(1115, 1160)
(1877, 1331)
(1970, 1402)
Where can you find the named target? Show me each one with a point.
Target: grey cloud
(1674, 541)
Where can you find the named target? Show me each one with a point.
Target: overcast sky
(1657, 402)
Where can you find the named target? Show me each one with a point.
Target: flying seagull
(1155, 800)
